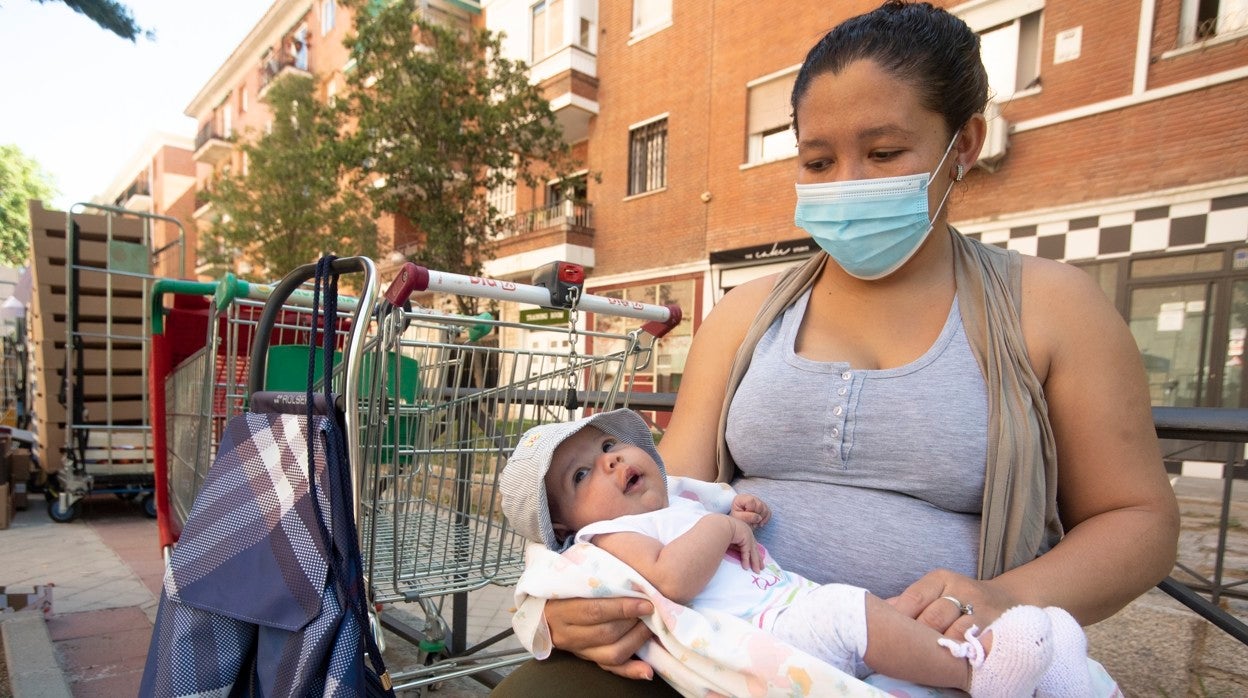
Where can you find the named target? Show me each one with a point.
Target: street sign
(544, 316)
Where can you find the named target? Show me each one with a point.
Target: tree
(110, 15)
(442, 119)
(21, 179)
(291, 205)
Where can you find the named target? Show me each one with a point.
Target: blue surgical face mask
(869, 226)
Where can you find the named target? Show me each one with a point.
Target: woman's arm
(690, 442)
(1114, 499)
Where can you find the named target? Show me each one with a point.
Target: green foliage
(291, 206)
(21, 180)
(443, 118)
(110, 15)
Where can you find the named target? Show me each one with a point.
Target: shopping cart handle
(283, 290)
(658, 328)
(410, 278)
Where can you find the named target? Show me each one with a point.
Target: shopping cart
(434, 406)
(201, 347)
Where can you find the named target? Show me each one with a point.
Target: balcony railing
(211, 146)
(208, 132)
(276, 64)
(565, 215)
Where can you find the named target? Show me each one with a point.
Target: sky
(82, 101)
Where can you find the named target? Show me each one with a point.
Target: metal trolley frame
(435, 403)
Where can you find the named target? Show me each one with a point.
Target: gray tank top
(874, 477)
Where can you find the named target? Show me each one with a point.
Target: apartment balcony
(276, 67)
(136, 197)
(568, 79)
(204, 210)
(560, 231)
(210, 146)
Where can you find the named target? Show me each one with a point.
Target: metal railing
(565, 214)
(206, 133)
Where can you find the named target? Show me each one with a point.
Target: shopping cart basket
(200, 355)
(440, 406)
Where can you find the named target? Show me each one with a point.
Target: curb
(30, 657)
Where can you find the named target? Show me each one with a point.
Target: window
(647, 157)
(329, 9)
(299, 48)
(503, 198)
(547, 28)
(651, 15)
(1204, 19)
(664, 372)
(227, 118)
(769, 121)
(1010, 38)
(1011, 55)
(243, 102)
(331, 92)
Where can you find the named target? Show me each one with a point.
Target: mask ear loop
(958, 176)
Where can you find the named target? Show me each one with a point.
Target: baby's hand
(750, 509)
(745, 545)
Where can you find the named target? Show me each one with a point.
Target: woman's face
(864, 123)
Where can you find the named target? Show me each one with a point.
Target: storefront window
(667, 363)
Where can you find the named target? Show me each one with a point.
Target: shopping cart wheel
(149, 506)
(60, 514)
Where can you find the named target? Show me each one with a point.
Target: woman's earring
(960, 172)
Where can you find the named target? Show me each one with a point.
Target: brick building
(1117, 143)
(160, 180)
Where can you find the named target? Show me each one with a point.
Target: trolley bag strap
(346, 572)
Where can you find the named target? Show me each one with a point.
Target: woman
(954, 427)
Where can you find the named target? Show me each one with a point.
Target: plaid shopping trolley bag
(264, 592)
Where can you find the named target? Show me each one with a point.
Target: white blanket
(699, 653)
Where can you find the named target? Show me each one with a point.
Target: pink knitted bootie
(1022, 650)
(1068, 676)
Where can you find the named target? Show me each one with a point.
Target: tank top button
(842, 391)
(835, 432)
(838, 411)
(846, 375)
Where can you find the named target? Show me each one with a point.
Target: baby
(600, 480)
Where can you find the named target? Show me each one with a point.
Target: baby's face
(595, 477)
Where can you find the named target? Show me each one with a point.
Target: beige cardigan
(1019, 520)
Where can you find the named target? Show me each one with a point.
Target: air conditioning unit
(995, 140)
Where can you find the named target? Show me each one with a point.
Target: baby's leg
(853, 630)
(859, 634)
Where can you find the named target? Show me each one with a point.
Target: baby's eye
(580, 474)
(608, 444)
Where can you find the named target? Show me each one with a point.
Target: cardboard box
(20, 501)
(19, 465)
(6, 506)
(36, 598)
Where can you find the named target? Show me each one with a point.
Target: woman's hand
(926, 601)
(604, 631)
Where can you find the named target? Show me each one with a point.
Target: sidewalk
(107, 570)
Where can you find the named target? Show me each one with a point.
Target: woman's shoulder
(1056, 281)
(734, 312)
(1063, 309)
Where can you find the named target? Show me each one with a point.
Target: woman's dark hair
(923, 45)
